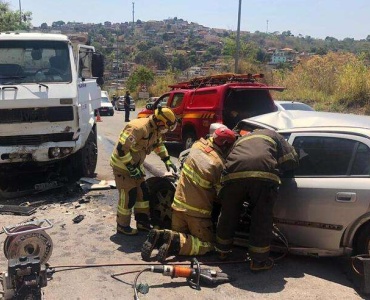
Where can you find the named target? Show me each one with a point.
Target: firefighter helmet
(215, 126)
(164, 116)
(223, 136)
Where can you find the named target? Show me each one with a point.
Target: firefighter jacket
(199, 179)
(139, 138)
(262, 154)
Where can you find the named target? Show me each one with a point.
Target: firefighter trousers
(196, 234)
(133, 194)
(261, 196)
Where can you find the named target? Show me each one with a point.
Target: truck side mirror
(97, 65)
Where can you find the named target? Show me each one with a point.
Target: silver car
(120, 104)
(324, 207)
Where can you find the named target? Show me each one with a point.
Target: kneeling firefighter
(192, 228)
(138, 139)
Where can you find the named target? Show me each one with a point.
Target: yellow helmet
(165, 117)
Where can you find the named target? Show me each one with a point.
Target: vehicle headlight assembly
(54, 152)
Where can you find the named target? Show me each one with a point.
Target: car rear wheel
(188, 139)
(362, 240)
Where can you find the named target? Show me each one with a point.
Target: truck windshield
(34, 62)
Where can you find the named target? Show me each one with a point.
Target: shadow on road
(129, 244)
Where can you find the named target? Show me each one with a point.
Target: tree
(142, 76)
(44, 26)
(57, 24)
(10, 20)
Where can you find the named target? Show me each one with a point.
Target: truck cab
(49, 89)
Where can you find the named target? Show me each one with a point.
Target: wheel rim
(189, 142)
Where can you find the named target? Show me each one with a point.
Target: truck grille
(41, 114)
(36, 139)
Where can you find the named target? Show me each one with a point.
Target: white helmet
(215, 126)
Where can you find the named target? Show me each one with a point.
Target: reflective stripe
(259, 249)
(194, 246)
(180, 204)
(123, 211)
(122, 198)
(141, 204)
(117, 162)
(123, 136)
(251, 174)
(161, 151)
(286, 157)
(192, 175)
(262, 136)
(224, 242)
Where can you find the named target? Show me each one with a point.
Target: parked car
(120, 104)
(106, 107)
(324, 207)
(292, 105)
(223, 98)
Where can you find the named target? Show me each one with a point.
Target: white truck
(49, 89)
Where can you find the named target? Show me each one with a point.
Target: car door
(176, 104)
(330, 189)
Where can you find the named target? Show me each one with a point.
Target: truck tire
(188, 139)
(83, 162)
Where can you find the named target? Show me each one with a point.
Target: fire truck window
(177, 100)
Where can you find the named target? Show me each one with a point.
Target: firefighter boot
(154, 240)
(143, 222)
(256, 265)
(127, 230)
(171, 245)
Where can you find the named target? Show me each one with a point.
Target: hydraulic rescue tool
(195, 275)
(27, 248)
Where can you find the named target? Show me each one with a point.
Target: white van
(106, 107)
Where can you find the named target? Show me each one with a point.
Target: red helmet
(223, 136)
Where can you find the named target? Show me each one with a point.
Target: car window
(361, 163)
(104, 100)
(296, 106)
(162, 101)
(323, 156)
(177, 100)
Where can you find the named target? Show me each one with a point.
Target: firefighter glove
(134, 171)
(169, 164)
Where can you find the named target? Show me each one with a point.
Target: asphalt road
(94, 241)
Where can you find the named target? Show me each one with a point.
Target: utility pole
(133, 14)
(117, 66)
(238, 39)
(267, 27)
(20, 12)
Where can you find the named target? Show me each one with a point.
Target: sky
(315, 18)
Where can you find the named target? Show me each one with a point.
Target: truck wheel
(362, 240)
(89, 155)
(83, 162)
(162, 191)
(188, 139)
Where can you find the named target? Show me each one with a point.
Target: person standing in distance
(127, 106)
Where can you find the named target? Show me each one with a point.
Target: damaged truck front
(49, 89)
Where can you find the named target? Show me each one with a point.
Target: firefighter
(252, 174)
(138, 139)
(192, 228)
